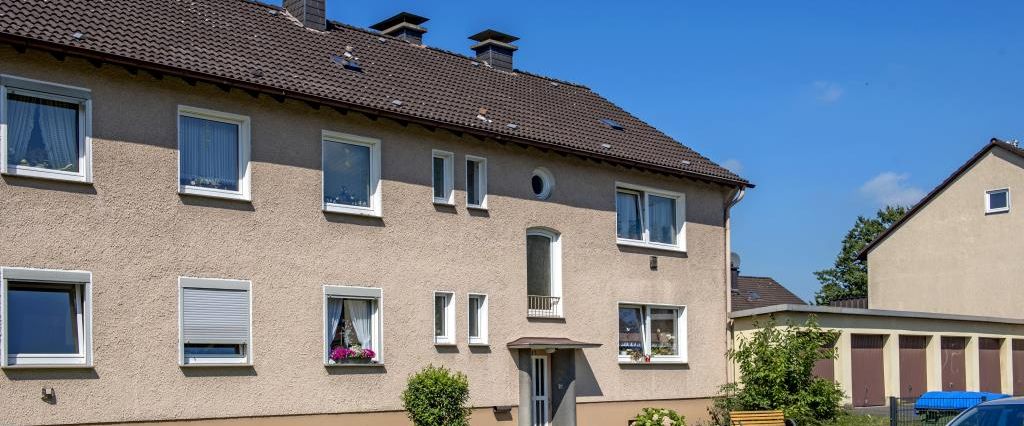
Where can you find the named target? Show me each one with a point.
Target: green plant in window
(659, 417)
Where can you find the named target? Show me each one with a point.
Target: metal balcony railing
(544, 306)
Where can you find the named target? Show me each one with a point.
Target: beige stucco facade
(891, 325)
(952, 257)
(137, 235)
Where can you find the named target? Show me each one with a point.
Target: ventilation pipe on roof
(405, 26)
(494, 48)
(310, 13)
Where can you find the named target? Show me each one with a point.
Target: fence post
(892, 411)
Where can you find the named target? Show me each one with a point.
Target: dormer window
(997, 201)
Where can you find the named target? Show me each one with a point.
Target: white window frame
(988, 201)
(645, 192)
(449, 177)
(556, 265)
(243, 122)
(482, 319)
(481, 181)
(212, 361)
(82, 281)
(375, 209)
(57, 92)
(680, 333)
(448, 339)
(373, 294)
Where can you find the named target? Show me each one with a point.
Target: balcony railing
(544, 306)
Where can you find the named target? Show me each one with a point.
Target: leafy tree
(775, 366)
(437, 397)
(848, 278)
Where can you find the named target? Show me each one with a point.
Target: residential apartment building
(942, 311)
(224, 209)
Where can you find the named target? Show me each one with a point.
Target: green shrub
(775, 365)
(659, 417)
(437, 397)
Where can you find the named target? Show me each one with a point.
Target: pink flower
(368, 353)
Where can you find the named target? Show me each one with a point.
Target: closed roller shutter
(215, 316)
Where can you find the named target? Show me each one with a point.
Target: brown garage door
(825, 368)
(989, 366)
(1018, 367)
(954, 376)
(913, 366)
(868, 379)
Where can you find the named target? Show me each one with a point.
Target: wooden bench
(757, 418)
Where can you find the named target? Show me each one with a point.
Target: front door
(541, 392)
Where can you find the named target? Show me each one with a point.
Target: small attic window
(612, 123)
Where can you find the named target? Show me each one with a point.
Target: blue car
(1001, 412)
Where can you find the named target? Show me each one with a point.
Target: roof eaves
(994, 143)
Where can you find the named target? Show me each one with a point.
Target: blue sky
(832, 108)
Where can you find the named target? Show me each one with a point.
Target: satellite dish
(734, 260)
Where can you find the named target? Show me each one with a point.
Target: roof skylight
(612, 123)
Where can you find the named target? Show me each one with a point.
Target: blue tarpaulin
(953, 401)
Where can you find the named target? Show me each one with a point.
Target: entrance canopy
(549, 343)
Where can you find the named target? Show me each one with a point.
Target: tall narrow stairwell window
(543, 273)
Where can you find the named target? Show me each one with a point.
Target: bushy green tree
(775, 365)
(848, 277)
(659, 417)
(437, 396)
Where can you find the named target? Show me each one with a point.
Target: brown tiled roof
(261, 48)
(992, 144)
(758, 292)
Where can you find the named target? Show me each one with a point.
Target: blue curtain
(627, 207)
(42, 133)
(662, 213)
(209, 153)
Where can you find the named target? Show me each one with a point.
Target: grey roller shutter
(215, 316)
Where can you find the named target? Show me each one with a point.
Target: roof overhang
(549, 343)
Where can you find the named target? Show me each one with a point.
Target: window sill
(39, 173)
(215, 364)
(653, 362)
(997, 211)
(355, 364)
(445, 344)
(48, 363)
(479, 344)
(445, 203)
(351, 210)
(652, 246)
(480, 208)
(213, 193)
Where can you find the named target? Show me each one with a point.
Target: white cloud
(733, 165)
(890, 188)
(828, 92)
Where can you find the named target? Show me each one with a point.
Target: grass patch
(859, 420)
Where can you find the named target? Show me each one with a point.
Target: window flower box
(352, 355)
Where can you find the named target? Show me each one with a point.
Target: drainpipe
(735, 196)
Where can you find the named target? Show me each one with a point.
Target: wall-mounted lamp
(502, 409)
(654, 263)
(49, 396)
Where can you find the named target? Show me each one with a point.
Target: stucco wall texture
(953, 258)
(137, 236)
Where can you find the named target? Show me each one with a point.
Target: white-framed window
(649, 217)
(476, 182)
(351, 174)
(477, 320)
(215, 322)
(543, 273)
(997, 200)
(444, 318)
(442, 172)
(47, 318)
(652, 333)
(353, 326)
(213, 153)
(45, 130)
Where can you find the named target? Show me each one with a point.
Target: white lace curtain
(209, 153)
(43, 133)
(360, 312)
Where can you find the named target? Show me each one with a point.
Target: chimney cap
(490, 34)
(400, 18)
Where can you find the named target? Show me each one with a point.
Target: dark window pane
(439, 177)
(538, 265)
(209, 153)
(630, 330)
(627, 208)
(998, 200)
(471, 182)
(474, 317)
(346, 174)
(538, 185)
(209, 350)
(42, 319)
(42, 133)
(662, 214)
(439, 317)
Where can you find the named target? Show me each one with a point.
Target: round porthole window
(542, 182)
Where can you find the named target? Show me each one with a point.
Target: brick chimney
(494, 48)
(405, 26)
(311, 13)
